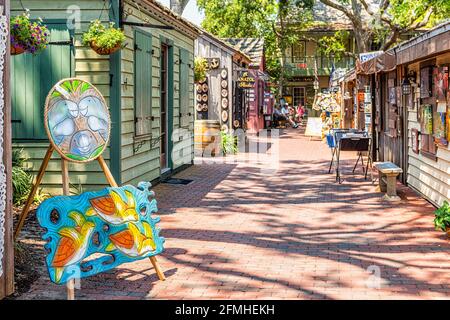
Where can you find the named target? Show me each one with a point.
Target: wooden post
(7, 279)
(70, 289)
(158, 270)
(30, 199)
(113, 183)
(66, 191)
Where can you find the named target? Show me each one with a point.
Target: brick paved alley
(239, 232)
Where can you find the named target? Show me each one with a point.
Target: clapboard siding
(143, 163)
(88, 66)
(430, 178)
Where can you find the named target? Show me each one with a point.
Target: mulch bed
(29, 254)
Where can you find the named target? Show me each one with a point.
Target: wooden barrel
(206, 138)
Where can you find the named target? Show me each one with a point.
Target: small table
(387, 179)
(358, 143)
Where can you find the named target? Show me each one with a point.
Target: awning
(382, 63)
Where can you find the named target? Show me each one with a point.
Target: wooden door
(393, 120)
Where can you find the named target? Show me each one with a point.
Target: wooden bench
(387, 179)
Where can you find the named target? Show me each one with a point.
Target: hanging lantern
(406, 86)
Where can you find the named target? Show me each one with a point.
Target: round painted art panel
(77, 120)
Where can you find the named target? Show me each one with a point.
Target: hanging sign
(246, 81)
(213, 63)
(77, 120)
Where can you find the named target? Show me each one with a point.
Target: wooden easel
(65, 186)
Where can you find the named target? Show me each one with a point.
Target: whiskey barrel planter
(206, 137)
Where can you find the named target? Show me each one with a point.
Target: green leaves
(31, 36)
(200, 69)
(228, 143)
(104, 37)
(442, 217)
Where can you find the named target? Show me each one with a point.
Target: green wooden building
(148, 86)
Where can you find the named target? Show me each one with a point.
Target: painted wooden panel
(98, 231)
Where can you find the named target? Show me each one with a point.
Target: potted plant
(442, 218)
(27, 36)
(228, 143)
(103, 40)
(200, 69)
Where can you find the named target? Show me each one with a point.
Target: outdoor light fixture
(406, 86)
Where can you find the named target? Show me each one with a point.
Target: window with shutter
(143, 83)
(32, 77)
(184, 86)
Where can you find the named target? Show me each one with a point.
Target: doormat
(177, 181)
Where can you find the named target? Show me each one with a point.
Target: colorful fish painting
(77, 120)
(97, 231)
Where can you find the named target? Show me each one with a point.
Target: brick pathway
(240, 232)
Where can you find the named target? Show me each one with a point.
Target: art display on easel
(77, 120)
(116, 221)
(97, 231)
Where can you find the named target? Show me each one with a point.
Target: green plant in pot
(442, 218)
(228, 143)
(28, 36)
(104, 39)
(200, 69)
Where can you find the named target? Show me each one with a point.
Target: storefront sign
(246, 81)
(363, 57)
(302, 79)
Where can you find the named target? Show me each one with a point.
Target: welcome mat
(177, 181)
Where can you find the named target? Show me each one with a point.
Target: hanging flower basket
(16, 50)
(103, 40)
(27, 36)
(104, 51)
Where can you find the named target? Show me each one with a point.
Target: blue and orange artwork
(77, 120)
(97, 231)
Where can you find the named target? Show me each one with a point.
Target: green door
(32, 77)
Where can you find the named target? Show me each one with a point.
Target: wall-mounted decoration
(236, 123)
(224, 73)
(398, 95)
(425, 82)
(440, 81)
(77, 120)
(224, 103)
(224, 116)
(415, 140)
(392, 95)
(213, 63)
(202, 97)
(224, 84)
(224, 128)
(224, 93)
(426, 119)
(439, 128)
(97, 231)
